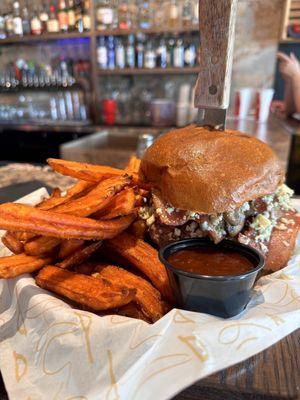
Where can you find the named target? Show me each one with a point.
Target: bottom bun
(282, 245)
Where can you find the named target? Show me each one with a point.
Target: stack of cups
(244, 101)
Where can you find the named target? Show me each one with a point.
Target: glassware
(174, 15)
(187, 13)
(130, 52)
(144, 15)
(125, 21)
(105, 15)
(120, 54)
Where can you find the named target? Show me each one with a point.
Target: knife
(212, 92)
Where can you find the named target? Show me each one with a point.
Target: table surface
(272, 374)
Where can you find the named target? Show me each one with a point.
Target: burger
(220, 185)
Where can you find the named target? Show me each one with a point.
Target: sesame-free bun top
(207, 171)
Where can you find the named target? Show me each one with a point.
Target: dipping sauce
(210, 261)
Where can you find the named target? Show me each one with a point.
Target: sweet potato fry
(97, 199)
(86, 268)
(144, 257)
(147, 297)
(87, 172)
(121, 204)
(48, 223)
(68, 247)
(41, 245)
(134, 164)
(133, 310)
(80, 255)
(138, 229)
(95, 293)
(10, 240)
(16, 265)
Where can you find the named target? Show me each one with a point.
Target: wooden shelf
(290, 40)
(146, 71)
(44, 37)
(150, 31)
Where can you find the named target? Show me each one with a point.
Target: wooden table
(273, 374)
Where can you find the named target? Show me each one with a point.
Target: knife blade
(212, 91)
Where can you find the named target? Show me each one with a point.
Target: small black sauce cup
(223, 296)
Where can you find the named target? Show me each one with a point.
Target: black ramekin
(223, 296)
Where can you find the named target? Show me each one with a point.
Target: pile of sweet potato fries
(87, 245)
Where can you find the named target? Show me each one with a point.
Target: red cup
(109, 111)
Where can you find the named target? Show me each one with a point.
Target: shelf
(44, 37)
(153, 71)
(290, 40)
(153, 31)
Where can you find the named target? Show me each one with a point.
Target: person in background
(290, 69)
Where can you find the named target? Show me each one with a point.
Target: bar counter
(271, 374)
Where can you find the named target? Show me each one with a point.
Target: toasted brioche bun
(197, 169)
(282, 244)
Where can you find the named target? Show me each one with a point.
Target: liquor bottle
(52, 23)
(120, 54)
(9, 23)
(179, 54)
(79, 16)
(139, 52)
(150, 56)
(71, 15)
(44, 17)
(174, 14)
(102, 55)
(162, 54)
(26, 21)
(144, 15)
(2, 26)
(195, 8)
(86, 18)
(190, 54)
(111, 63)
(187, 13)
(124, 15)
(17, 20)
(130, 52)
(35, 23)
(62, 16)
(170, 49)
(104, 15)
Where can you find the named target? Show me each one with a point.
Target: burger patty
(252, 222)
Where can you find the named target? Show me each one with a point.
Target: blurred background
(71, 69)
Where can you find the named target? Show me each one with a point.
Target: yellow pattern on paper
(179, 318)
(250, 339)
(21, 320)
(167, 356)
(277, 319)
(197, 347)
(86, 331)
(237, 326)
(285, 277)
(113, 383)
(21, 366)
(133, 345)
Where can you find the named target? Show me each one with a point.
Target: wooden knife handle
(217, 28)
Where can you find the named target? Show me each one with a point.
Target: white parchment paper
(49, 350)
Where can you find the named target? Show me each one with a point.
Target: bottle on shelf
(139, 51)
(174, 14)
(104, 15)
(35, 23)
(162, 54)
(26, 21)
(187, 13)
(52, 23)
(62, 16)
(111, 62)
(159, 15)
(120, 54)
(150, 55)
(125, 21)
(2, 26)
(190, 54)
(79, 16)
(71, 15)
(86, 18)
(195, 7)
(9, 23)
(145, 18)
(17, 20)
(44, 17)
(130, 52)
(179, 54)
(102, 56)
(170, 50)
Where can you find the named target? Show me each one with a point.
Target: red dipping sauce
(211, 261)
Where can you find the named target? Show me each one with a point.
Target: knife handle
(217, 28)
